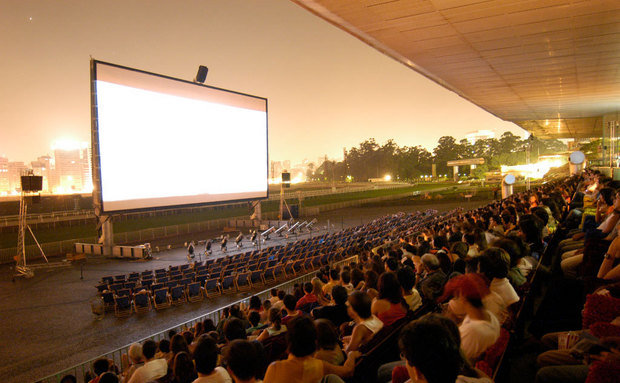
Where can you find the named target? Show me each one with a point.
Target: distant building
(43, 167)
(276, 169)
(4, 175)
(15, 171)
(72, 171)
(479, 135)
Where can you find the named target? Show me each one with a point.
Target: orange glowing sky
(326, 89)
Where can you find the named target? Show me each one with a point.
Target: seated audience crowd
(443, 291)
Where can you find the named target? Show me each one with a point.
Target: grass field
(8, 240)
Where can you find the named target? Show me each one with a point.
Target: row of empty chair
(162, 288)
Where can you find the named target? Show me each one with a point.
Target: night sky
(326, 89)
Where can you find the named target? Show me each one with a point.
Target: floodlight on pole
(29, 184)
(576, 161)
(507, 183)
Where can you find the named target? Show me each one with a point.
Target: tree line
(372, 160)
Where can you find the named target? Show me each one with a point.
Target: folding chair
(228, 283)
(268, 276)
(194, 292)
(147, 283)
(123, 293)
(122, 306)
(298, 266)
(172, 284)
(189, 275)
(161, 300)
(307, 265)
(116, 286)
(131, 285)
(119, 278)
(316, 261)
(174, 273)
(256, 278)
(142, 302)
(102, 287)
(212, 287)
(202, 279)
(133, 276)
(147, 273)
(243, 282)
(177, 295)
(278, 272)
(108, 301)
(160, 271)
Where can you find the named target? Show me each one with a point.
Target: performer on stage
(208, 247)
(224, 243)
(148, 252)
(239, 239)
(190, 251)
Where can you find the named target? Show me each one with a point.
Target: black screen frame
(96, 158)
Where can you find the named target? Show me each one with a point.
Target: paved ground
(46, 322)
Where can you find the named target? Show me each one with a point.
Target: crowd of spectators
(448, 288)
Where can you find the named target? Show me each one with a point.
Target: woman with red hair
(480, 328)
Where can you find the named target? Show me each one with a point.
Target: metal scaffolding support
(21, 268)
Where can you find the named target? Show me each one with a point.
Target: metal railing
(345, 190)
(80, 370)
(12, 220)
(150, 234)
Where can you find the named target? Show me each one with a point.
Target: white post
(107, 235)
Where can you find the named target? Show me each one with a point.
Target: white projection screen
(160, 141)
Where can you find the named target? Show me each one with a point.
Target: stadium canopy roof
(550, 66)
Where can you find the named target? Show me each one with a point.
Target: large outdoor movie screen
(167, 142)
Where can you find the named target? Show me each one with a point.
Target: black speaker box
(201, 76)
(32, 183)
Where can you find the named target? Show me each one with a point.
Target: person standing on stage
(190, 251)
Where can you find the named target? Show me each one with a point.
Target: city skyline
(326, 89)
(67, 167)
(66, 170)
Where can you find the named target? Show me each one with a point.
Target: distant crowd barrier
(79, 370)
(89, 248)
(248, 223)
(13, 220)
(117, 251)
(128, 251)
(140, 236)
(149, 235)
